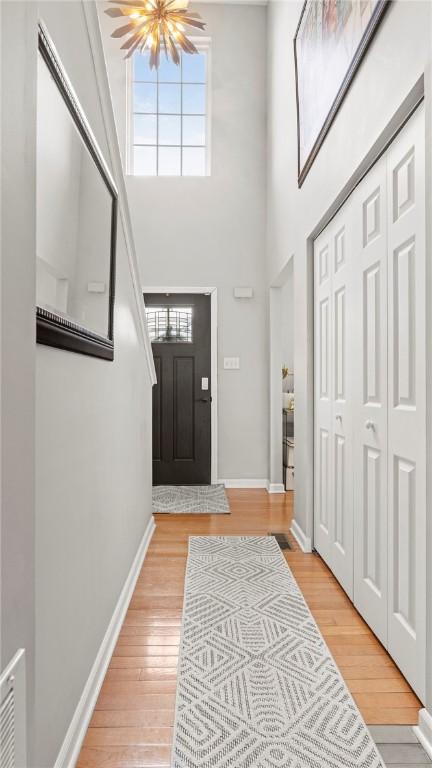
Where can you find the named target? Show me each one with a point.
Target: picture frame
(59, 329)
(332, 36)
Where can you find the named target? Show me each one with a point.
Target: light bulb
(135, 15)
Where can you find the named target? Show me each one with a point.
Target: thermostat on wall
(96, 287)
(243, 293)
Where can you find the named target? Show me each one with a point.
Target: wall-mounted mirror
(76, 220)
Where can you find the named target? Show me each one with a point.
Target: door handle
(369, 424)
(203, 400)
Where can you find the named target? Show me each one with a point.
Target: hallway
(215, 261)
(132, 723)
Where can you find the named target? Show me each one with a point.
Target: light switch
(204, 383)
(231, 363)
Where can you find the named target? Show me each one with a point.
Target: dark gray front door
(179, 326)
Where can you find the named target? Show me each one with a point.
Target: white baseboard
(244, 483)
(302, 540)
(76, 732)
(423, 731)
(275, 487)
(254, 483)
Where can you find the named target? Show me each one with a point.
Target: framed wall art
(331, 39)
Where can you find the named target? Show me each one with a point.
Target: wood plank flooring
(132, 723)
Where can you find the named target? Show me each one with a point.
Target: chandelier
(155, 24)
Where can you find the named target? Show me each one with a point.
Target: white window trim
(202, 44)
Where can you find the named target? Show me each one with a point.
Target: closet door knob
(369, 424)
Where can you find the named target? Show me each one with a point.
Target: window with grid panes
(169, 116)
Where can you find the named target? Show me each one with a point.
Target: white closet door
(370, 398)
(407, 406)
(333, 437)
(341, 530)
(323, 490)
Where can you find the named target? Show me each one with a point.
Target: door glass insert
(170, 324)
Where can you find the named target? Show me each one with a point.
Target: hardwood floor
(132, 723)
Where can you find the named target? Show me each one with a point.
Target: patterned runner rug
(257, 685)
(190, 499)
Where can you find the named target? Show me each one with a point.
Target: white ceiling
(233, 2)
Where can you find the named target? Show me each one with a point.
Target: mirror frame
(52, 329)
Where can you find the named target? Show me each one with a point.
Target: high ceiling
(233, 2)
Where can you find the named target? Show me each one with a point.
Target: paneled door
(341, 554)
(369, 340)
(406, 398)
(179, 327)
(323, 469)
(370, 399)
(333, 429)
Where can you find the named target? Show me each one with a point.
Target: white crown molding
(101, 71)
(76, 732)
(302, 540)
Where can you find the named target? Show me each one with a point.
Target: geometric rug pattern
(190, 499)
(257, 686)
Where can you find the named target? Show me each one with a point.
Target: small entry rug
(190, 499)
(257, 685)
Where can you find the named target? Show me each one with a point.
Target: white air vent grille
(13, 714)
(7, 731)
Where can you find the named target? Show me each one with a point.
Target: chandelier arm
(132, 48)
(136, 37)
(184, 18)
(186, 44)
(165, 44)
(173, 49)
(128, 28)
(195, 24)
(115, 13)
(184, 15)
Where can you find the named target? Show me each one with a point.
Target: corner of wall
(304, 542)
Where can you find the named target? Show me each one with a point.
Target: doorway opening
(182, 330)
(282, 403)
(288, 401)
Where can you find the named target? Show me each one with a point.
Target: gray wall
(398, 56)
(93, 463)
(17, 323)
(211, 231)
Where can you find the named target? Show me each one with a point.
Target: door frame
(212, 292)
